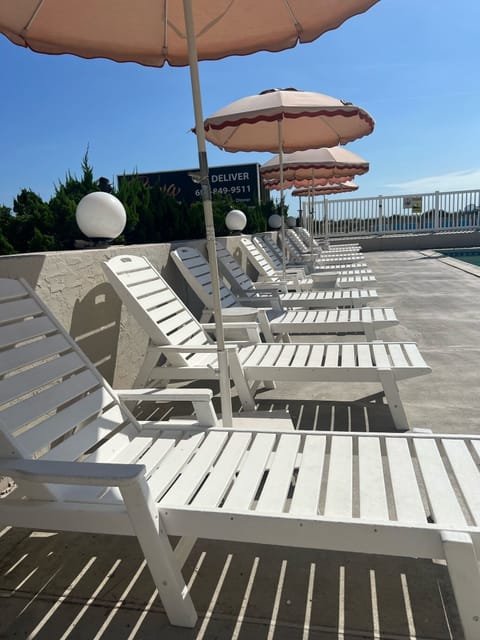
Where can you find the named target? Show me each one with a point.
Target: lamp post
(101, 217)
(235, 221)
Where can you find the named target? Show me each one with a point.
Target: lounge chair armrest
(201, 400)
(82, 473)
(193, 348)
(166, 395)
(279, 286)
(211, 326)
(326, 275)
(239, 332)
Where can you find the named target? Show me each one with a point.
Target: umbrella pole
(312, 219)
(280, 159)
(325, 217)
(222, 354)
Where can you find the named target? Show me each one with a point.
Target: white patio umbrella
(177, 32)
(335, 164)
(287, 121)
(326, 190)
(312, 168)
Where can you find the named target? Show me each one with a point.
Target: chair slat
(441, 495)
(339, 488)
(29, 380)
(280, 476)
(194, 474)
(406, 492)
(218, 482)
(466, 473)
(245, 485)
(373, 499)
(308, 484)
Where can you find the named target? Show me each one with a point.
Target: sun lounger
(307, 239)
(249, 292)
(297, 252)
(411, 495)
(176, 335)
(340, 273)
(196, 271)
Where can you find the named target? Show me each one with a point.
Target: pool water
(466, 255)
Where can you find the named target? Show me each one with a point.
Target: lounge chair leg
(464, 570)
(183, 549)
(149, 362)
(370, 334)
(158, 553)
(238, 377)
(205, 413)
(394, 401)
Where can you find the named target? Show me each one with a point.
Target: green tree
(63, 205)
(33, 217)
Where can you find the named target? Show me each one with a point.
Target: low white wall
(74, 287)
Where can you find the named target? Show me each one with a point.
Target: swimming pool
(471, 255)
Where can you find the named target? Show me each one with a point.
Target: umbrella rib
(33, 16)
(296, 23)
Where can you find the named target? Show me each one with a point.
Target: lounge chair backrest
(257, 259)
(54, 404)
(233, 272)
(294, 242)
(195, 269)
(305, 237)
(273, 256)
(153, 303)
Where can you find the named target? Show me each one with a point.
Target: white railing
(405, 214)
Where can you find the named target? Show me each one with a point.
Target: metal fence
(405, 214)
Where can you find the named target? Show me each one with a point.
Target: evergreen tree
(33, 217)
(63, 205)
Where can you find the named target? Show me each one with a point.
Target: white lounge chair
(326, 275)
(317, 261)
(418, 494)
(249, 292)
(80, 460)
(309, 246)
(308, 241)
(176, 335)
(195, 269)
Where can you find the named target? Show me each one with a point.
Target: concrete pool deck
(60, 586)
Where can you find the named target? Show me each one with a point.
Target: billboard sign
(240, 181)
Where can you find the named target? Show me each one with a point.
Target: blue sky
(414, 65)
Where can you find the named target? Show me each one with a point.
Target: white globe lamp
(101, 216)
(235, 221)
(275, 221)
(291, 222)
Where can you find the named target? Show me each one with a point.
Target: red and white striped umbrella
(335, 164)
(286, 120)
(326, 190)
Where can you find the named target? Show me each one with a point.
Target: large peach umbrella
(177, 32)
(313, 168)
(334, 164)
(326, 190)
(287, 121)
